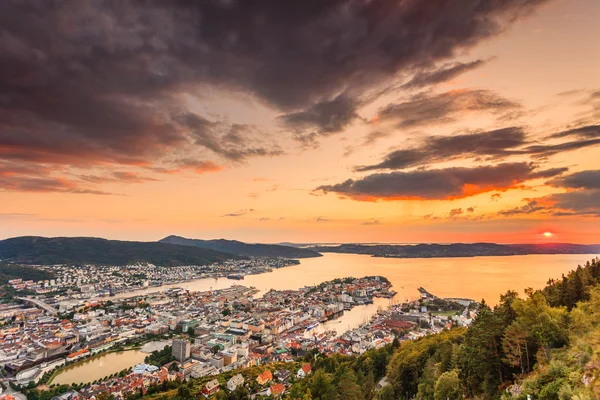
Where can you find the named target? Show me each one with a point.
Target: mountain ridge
(91, 250)
(242, 248)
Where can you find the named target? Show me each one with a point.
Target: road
(39, 304)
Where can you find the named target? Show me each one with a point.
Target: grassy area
(447, 313)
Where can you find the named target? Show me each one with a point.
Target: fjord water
(471, 277)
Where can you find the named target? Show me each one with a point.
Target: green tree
(183, 392)
(348, 388)
(516, 350)
(447, 387)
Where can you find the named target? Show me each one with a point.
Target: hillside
(459, 249)
(83, 250)
(243, 249)
(25, 272)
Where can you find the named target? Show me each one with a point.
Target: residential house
(304, 371)
(276, 390)
(235, 381)
(211, 387)
(264, 378)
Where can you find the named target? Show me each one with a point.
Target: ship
(235, 276)
(308, 328)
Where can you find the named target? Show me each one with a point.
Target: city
(76, 317)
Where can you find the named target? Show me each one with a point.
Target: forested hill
(25, 272)
(459, 249)
(244, 249)
(83, 250)
(546, 346)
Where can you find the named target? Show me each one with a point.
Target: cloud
(431, 109)
(455, 212)
(41, 178)
(239, 213)
(495, 144)
(496, 196)
(372, 221)
(106, 83)
(471, 209)
(579, 180)
(581, 197)
(117, 176)
(369, 140)
(581, 202)
(322, 118)
(439, 184)
(584, 132)
(442, 74)
(40, 185)
(234, 142)
(443, 148)
(531, 207)
(199, 166)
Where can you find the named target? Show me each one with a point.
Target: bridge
(40, 304)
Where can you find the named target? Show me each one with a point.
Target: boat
(235, 276)
(308, 328)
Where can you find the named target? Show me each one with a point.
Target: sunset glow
(475, 124)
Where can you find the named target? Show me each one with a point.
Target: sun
(548, 234)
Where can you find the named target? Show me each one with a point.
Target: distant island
(458, 249)
(243, 249)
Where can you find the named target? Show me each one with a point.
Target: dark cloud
(581, 202)
(496, 144)
(437, 184)
(103, 82)
(429, 109)
(322, 118)
(235, 142)
(239, 213)
(471, 209)
(531, 207)
(582, 197)
(443, 148)
(584, 132)
(496, 196)
(442, 74)
(579, 180)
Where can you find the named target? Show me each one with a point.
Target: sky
(302, 121)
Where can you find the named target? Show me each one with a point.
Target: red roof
(277, 389)
(306, 368)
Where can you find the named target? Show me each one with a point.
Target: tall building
(181, 349)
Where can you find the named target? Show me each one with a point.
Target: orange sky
(278, 183)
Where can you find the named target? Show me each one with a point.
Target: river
(476, 278)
